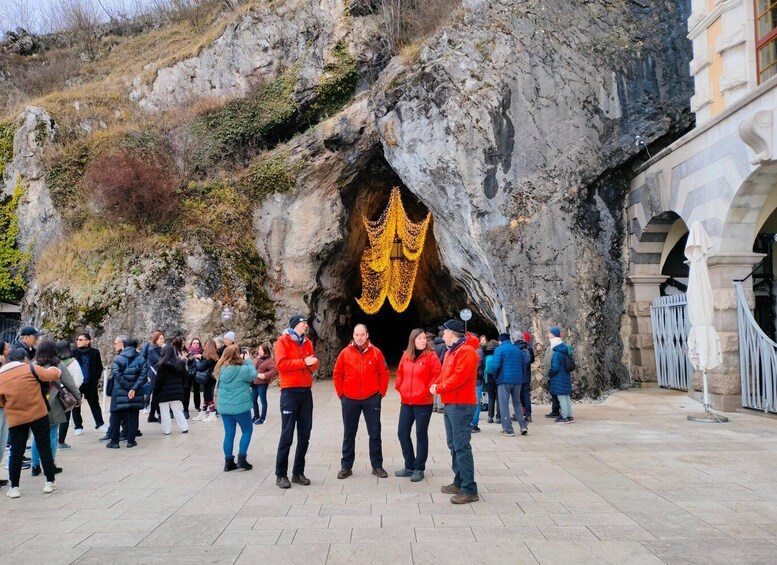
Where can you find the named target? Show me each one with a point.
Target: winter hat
(28, 330)
(527, 337)
(296, 320)
(230, 336)
(504, 337)
(454, 326)
(555, 331)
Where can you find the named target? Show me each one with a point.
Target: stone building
(723, 173)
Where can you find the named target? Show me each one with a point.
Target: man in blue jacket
(508, 366)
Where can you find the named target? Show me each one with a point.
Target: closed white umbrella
(703, 342)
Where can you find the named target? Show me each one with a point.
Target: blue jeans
(230, 422)
(458, 432)
(420, 414)
(259, 392)
(505, 394)
(54, 433)
(478, 396)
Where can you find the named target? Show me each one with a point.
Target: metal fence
(669, 316)
(757, 359)
(9, 328)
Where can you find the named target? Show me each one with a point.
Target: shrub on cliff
(134, 187)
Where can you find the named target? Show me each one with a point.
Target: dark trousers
(420, 415)
(123, 420)
(207, 392)
(352, 409)
(259, 395)
(526, 398)
(492, 400)
(17, 437)
(458, 432)
(555, 406)
(63, 428)
(192, 389)
(90, 395)
(296, 412)
(131, 424)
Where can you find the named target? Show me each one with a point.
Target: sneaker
(184, 431)
(464, 498)
(36, 470)
(344, 473)
(106, 437)
(132, 444)
(102, 428)
(552, 415)
(300, 480)
(153, 419)
(62, 446)
(211, 417)
(380, 472)
(186, 414)
(25, 466)
(524, 431)
(570, 420)
(282, 482)
(417, 476)
(514, 418)
(78, 431)
(57, 470)
(256, 421)
(113, 445)
(508, 434)
(490, 420)
(138, 433)
(14, 492)
(528, 419)
(450, 489)
(199, 417)
(3, 482)
(563, 421)
(146, 410)
(49, 488)
(404, 473)
(559, 419)
(475, 429)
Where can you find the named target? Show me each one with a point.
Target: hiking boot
(552, 415)
(282, 482)
(450, 489)
(528, 419)
(344, 473)
(36, 470)
(131, 444)
(508, 434)
(300, 480)
(524, 431)
(112, 445)
(404, 473)
(417, 476)
(229, 464)
(464, 498)
(243, 464)
(475, 429)
(380, 472)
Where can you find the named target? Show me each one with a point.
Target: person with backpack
(508, 365)
(561, 366)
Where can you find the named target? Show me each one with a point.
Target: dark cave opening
(437, 296)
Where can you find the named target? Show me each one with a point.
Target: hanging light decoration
(390, 264)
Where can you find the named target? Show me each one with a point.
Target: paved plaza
(631, 482)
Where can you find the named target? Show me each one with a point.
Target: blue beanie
(556, 331)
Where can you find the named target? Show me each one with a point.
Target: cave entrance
(437, 296)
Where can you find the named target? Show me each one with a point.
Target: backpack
(569, 363)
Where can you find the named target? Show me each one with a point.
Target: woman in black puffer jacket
(129, 371)
(169, 389)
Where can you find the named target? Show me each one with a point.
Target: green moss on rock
(13, 261)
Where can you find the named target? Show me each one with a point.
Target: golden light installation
(390, 263)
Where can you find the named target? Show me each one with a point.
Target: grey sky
(36, 15)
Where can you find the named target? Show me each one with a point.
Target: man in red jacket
(456, 386)
(361, 379)
(296, 362)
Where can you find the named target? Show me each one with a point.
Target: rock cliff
(513, 125)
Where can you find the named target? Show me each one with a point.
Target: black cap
(454, 326)
(296, 320)
(504, 337)
(28, 330)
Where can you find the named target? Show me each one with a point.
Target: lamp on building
(396, 249)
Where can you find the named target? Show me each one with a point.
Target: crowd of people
(43, 382)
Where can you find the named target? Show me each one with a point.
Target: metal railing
(757, 359)
(669, 317)
(9, 328)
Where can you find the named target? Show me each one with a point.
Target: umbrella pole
(704, 389)
(708, 415)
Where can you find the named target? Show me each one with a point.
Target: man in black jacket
(92, 368)
(28, 338)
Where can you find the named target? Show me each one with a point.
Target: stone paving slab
(631, 482)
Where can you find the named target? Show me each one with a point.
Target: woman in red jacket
(418, 369)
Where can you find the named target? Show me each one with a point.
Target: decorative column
(642, 290)
(724, 382)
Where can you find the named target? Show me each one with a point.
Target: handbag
(66, 398)
(202, 377)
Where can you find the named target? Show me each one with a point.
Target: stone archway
(437, 294)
